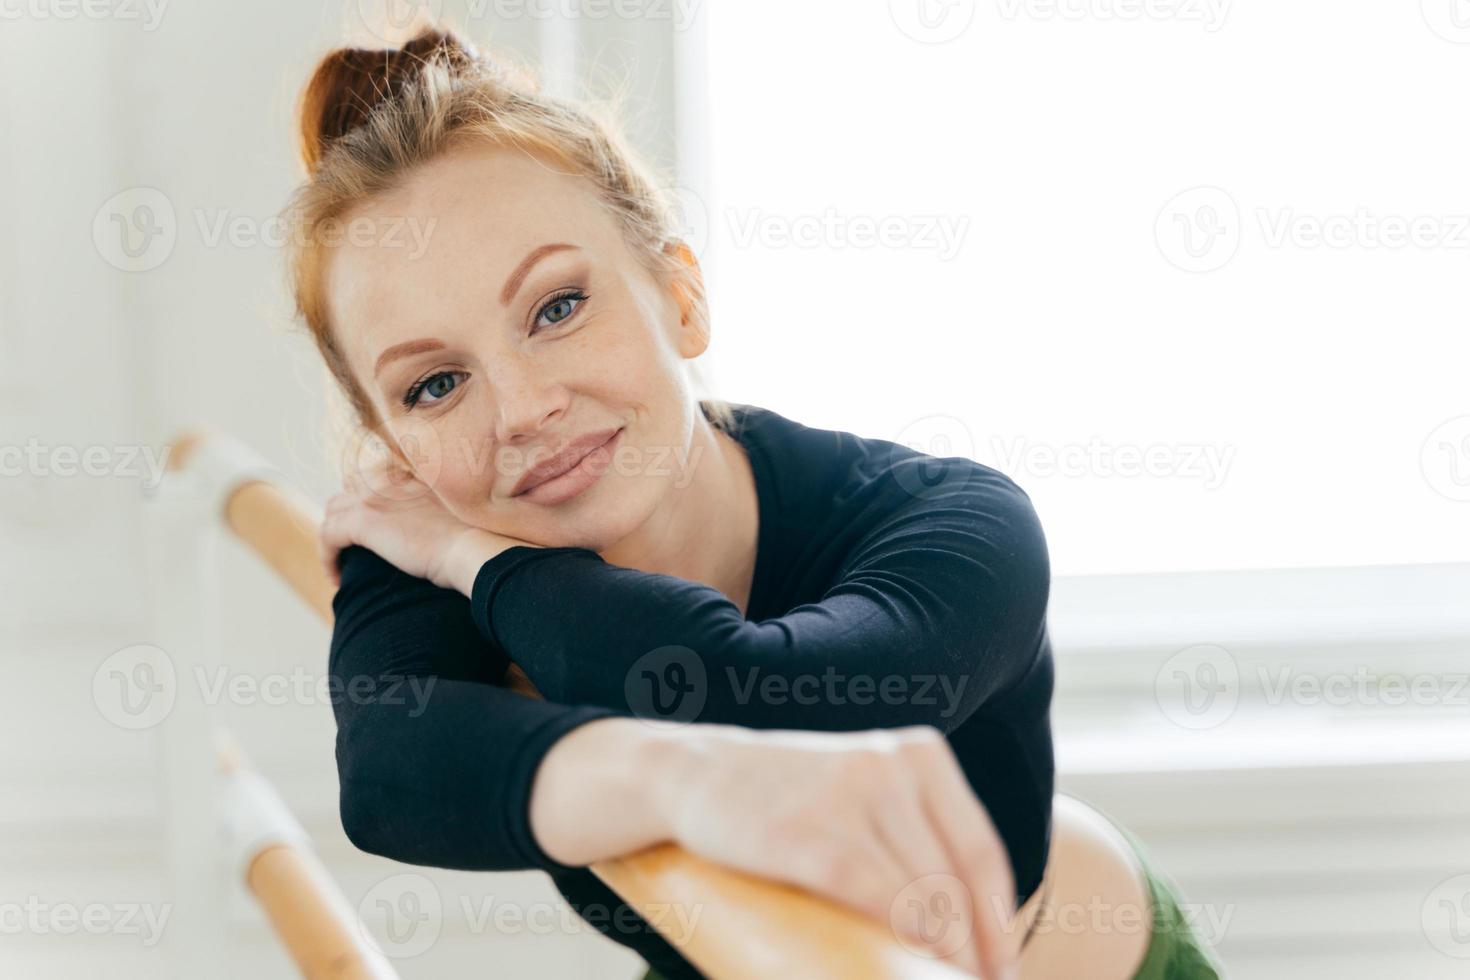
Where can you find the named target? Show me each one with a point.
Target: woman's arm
(440, 767)
(435, 760)
(939, 608)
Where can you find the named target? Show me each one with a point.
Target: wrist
(675, 755)
(627, 771)
(467, 553)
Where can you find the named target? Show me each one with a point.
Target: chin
(611, 518)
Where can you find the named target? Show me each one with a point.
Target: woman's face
(493, 314)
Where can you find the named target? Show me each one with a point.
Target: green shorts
(1176, 951)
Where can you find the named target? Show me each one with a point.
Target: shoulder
(916, 490)
(883, 498)
(958, 504)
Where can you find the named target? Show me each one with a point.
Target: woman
(802, 653)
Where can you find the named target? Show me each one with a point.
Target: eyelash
(565, 294)
(416, 390)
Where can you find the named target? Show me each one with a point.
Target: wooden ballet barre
(747, 928)
(273, 857)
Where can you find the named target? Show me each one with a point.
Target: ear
(687, 284)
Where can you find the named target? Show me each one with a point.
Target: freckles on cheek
(628, 351)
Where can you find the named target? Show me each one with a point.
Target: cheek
(627, 354)
(450, 458)
(643, 327)
(465, 486)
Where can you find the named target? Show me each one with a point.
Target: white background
(1058, 135)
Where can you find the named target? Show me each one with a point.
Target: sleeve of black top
(434, 758)
(944, 602)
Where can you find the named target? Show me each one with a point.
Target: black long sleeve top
(891, 588)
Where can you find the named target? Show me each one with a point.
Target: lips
(576, 451)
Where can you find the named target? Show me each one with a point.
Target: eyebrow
(532, 257)
(406, 349)
(411, 347)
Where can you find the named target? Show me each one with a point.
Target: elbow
(365, 803)
(361, 816)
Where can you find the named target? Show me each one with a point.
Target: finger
(933, 907)
(977, 850)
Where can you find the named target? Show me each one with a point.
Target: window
(1207, 308)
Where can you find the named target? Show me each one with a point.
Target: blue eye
(439, 386)
(560, 307)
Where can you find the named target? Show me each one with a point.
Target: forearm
(444, 778)
(607, 788)
(584, 631)
(435, 759)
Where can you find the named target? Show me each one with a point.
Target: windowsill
(1317, 667)
(1269, 606)
(1271, 744)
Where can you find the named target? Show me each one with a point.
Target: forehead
(432, 254)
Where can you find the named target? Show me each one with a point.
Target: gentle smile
(572, 471)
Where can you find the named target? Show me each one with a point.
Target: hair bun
(349, 83)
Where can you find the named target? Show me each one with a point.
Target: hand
(391, 512)
(884, 821)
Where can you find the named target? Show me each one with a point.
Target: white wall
(195, 106)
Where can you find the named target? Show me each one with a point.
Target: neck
(706, 530)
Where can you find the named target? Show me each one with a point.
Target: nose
(525, 400)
